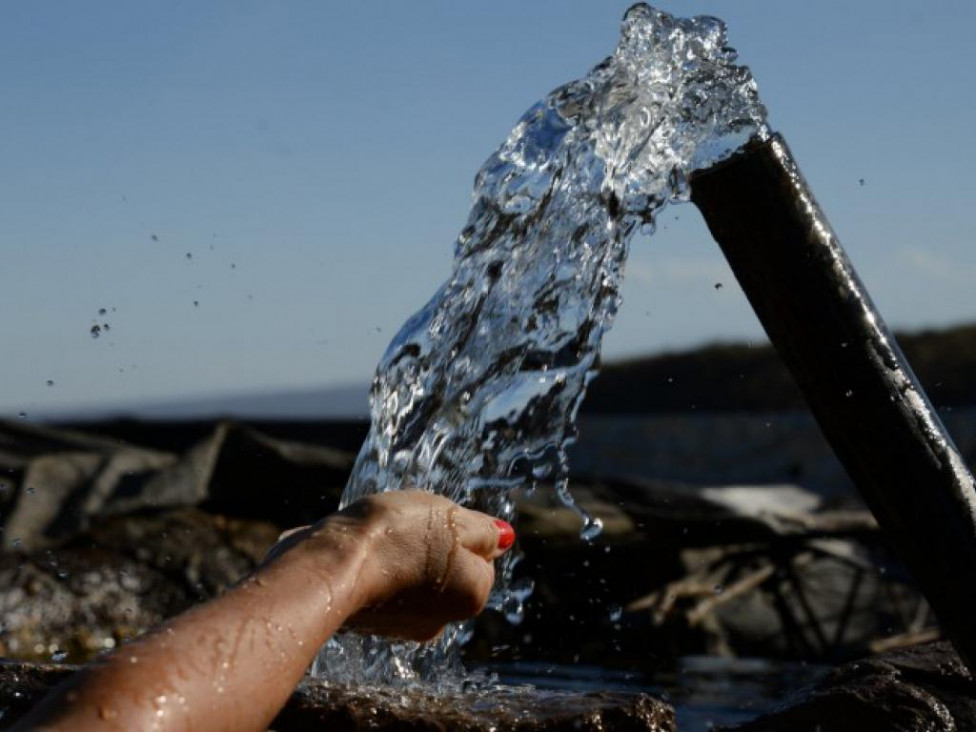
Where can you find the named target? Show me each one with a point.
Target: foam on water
(477, 395)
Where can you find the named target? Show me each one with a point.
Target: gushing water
(477, 395)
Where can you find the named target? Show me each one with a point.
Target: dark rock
(22, 685)
(505, 709)
(55, 484)
(318, 706)
(204, 553)
(120, 579)
(925, 687)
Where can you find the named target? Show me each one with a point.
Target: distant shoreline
(716, 378)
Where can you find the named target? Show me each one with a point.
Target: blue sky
(315, 160)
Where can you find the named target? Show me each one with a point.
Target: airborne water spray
(477, 395)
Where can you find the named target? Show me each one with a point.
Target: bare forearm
(403, 564)
(251, 644)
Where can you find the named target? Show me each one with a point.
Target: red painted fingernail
(506, 534)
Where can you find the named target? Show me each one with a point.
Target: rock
(120, 579)
(318, 706)
(55, 484)
(22, 685)
(505, 709)
(924, 687)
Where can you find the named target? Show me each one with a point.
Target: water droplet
(22, 415)
(96, 330)
(59, 656)
(513, 610)
(718, 589)
(541, 472)
(592, 528)
(616, 612)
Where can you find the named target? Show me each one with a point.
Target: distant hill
(716, 378)
(740, 378)
(341, 402)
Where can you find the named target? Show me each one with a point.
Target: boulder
(319, 706)
(118, 580)
(925, 687)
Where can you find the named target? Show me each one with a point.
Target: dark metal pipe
(861, 390)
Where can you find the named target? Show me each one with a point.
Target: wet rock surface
(317, 707)
(22, 685)
(515, 709)
(120, 579)
(925, 687)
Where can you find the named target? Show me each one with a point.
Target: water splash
(477, 395)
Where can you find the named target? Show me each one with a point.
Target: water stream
(477, 395)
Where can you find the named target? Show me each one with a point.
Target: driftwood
(778, 575)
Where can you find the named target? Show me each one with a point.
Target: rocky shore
(103, 537)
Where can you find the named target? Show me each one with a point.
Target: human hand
(425, 561)
(402, 564)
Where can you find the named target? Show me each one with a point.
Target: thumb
(486, 536)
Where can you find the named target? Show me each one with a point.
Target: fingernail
(506, 534)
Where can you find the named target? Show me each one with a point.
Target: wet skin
(401, 564)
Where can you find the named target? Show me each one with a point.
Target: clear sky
(259, 193)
